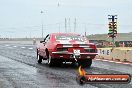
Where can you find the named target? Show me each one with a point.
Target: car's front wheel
(85, 63)
(39, 58)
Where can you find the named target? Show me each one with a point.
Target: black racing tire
(58, 62)
(85, 63)
(50, 61)
(40, 59)
(54, 62)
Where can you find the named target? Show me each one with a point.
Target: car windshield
(70, 38)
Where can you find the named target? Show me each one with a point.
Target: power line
(30, 26)
(106, 24)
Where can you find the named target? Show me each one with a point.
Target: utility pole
(85, 31)
(112, 28)
(59, 27)
(69, 25)
(75, 24)
(42, 23)
(65, 25)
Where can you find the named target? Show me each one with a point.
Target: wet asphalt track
(19, 69)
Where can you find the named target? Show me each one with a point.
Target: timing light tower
(112, 28)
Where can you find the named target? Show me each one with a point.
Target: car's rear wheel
(54, 62)
(85, 63)
(50, 61)
(58, 62)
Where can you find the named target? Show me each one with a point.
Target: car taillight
(92, 46)
(59, 45)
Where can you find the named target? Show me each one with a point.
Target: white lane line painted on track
(105, 60)
(127, 63)
(111, 61)
(97, 59)
(7, 45)
(14, 46)
(23, 47)
(115, 62)
(118, 62)
(30, 48)
(10, 47)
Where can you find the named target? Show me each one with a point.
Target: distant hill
(120, 37)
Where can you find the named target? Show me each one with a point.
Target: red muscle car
(66, 47)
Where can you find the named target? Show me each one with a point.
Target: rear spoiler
(75, 45)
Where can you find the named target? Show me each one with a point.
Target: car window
(47, 38)
(70, 37)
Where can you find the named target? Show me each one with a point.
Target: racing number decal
(108, 52)
(104, 51)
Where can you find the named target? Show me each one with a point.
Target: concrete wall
(129, 55)
(119, 54)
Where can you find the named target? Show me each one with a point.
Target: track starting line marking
(118, 62)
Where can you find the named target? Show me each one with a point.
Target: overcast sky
(23, 18)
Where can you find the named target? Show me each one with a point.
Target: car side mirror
(41, 41)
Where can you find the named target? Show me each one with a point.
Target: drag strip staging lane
(19, 75)
(65, 75)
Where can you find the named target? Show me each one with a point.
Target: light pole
(42, 22)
